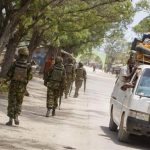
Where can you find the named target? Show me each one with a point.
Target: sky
(130, 35)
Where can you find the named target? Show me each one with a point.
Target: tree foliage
(68, 24)
(73, 25)
(90, 57)
(143, 5)
(144, 25)
(116, 48)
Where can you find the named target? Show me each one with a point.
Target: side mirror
(140, 94)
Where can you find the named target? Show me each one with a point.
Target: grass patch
(3, 86)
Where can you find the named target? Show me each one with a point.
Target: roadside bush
(3, 86)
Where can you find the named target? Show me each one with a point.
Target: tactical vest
(57, 74)
(79, 73)
(20, 71)
(69, 68)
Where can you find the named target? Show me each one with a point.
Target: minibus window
(143, 88)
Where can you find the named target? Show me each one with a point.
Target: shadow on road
(63, 117)
(134, 142)
(12, 128)
(23, 144)
(37, 114)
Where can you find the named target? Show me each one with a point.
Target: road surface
(81, 124)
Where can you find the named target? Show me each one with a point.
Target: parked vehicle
(130, 105)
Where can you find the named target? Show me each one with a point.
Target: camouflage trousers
(15, 98)
(52, 98)
(78, 84)
(68, 86)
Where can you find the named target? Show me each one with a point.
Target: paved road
(81, 124)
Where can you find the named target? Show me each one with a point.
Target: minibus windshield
(143, 88)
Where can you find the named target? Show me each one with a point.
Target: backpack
(79, 73)
(69, 68)
(20, 71)
(57, 74)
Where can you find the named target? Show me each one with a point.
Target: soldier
(70, 75)
(80, 76)
(55, 82)
(94, 67)
(19, 75)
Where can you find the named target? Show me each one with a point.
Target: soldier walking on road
(19, 75)
(70, 76)
(80, 74)
(55, 82)
(94, 67)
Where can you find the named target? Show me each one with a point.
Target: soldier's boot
(27, 93)
(16, 120)
(53, 112)
(10, 122)
(48, 112)
(75, 95)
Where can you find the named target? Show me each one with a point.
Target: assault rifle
(60, 101)
(84, 84)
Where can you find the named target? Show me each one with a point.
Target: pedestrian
(94, 67)
(48, 63)
(19, 75)
(80, 75)
(70, 76)
(55, 82)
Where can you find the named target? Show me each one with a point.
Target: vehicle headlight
(139, 115)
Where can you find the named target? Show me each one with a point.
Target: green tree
(10, 13)
(28, 23)
(82, 24)
(75, 26)
(144, 25)
(116, 48)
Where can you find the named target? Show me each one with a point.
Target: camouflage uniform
(55, 82)
(80, 76)
(19, 74)
(70, 75)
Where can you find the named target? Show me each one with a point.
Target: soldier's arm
(10, 72)
(64, 79)
(46, 77)
(84, 74)
(49, 73)
(73, 73)
(29, 73)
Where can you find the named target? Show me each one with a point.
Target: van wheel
(112, 124)
(123, 136)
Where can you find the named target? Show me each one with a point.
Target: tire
(123, 136)
(112, 124)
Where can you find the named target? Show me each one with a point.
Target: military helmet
(70, 60)
(23, 51)
(58, 60)
(80, 64)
